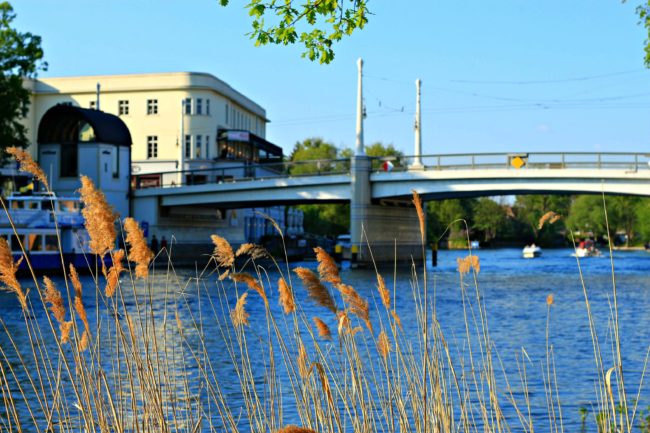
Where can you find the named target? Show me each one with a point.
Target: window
(227, 111)
(199, 106)
(123, 107)
(51, 243)
(197, 146)
(115, 160)
(207, 107)
(152, 146)
(69, 163)
(93, 105)
(152, 106)
(207, 147)
(188, 105)
(188, 146)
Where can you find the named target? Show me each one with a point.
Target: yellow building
(180, 120)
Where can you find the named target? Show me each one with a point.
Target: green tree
(20, 57)
(322, 23)
(643, 219)
(443, 219)
(380, 150)
(587, 215)
(312, 149)
(622, 215)
(489, 217)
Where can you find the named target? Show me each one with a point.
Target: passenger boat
(45, 224)
(531, 251)
(586, 249)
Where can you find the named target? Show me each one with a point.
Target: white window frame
(152, 107)
(123, 107)
(152, 146)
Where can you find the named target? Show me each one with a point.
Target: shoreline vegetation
(126, 353)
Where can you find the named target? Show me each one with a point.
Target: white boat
(531, 251)
(45, 225)
(586, 252)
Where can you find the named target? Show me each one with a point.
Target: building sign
(237, 136)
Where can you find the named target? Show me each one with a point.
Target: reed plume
(294, 429)
(65, 327)
(383, 291)
(467, 263)
(79, 307)
(99, 216)
(254, 251)
(344, 322)
(272, 221)
(397, 319)
(550, 299)
(238, 315)
(358, 306)
(550, 217)
(251, 282)
(323, 330)
(8, 269)
(54, 298)
(286, 298)
(222, 251)
(139, 251)
(327, 267)
(317, 292)
(418, 208)
(113, 276)
(383, 345)
(303, 361)
(28, 164)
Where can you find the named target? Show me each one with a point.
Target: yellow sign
(517, 162)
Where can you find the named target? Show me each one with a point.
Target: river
(514, 291)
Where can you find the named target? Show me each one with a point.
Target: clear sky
(498, 76)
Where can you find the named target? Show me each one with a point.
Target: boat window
(32, 205)
(69, 205)
(15, 245)
(17, 204)
(34, 242)
(46, 205)
(51, 243)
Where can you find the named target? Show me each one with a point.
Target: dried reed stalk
(344, 322)
(54, 298)
(358, 305)
(397, 319)
(251, 282)
(28, 164)
(254, 251)
(139, 251)
(222, 251)
(113, 276)
(418, 208)
(99, 216)
(317, 292)
(294, 429)
(384, 294)
(327, 267)
(550, 217)
(550, 299)
(238, 315)
(323, 330)
(286, 298)
(65, 327)
(8, 269)
(383, 345)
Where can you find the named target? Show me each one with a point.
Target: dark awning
(60, 124)
(249, 137)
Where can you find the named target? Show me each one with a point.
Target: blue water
(514, 292)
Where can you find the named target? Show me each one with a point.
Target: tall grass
(132, 349)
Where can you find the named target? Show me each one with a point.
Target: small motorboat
(586, 249)
(531, 251)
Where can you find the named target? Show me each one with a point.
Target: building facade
(186, 127)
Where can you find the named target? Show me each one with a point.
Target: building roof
(60, 124)
(146, 82)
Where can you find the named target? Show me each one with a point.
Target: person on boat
(581, 244)
(154, 244)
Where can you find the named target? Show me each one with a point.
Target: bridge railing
(240, 173)
(520, 161)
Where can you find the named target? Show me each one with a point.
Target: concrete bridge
(383, 210)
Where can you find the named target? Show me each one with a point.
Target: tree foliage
(489, 217)
(316, 24)
(20, 57)
(643, 10)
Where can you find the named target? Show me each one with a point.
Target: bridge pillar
(359, 199)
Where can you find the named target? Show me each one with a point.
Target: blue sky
(498, 76)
